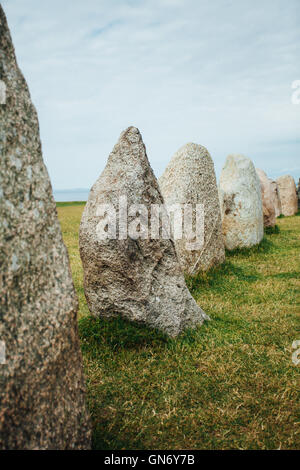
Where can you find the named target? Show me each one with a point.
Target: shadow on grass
(117, 333)
(220, 277)
(266, 246)
(102, 438)
(291, 275)
(272, 230)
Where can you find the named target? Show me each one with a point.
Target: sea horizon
(70, 195)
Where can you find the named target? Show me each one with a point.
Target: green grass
(228, 384)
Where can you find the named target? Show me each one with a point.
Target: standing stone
(267, 199)
(241, 203)
(190, 179)
(276, 198)
(298, 194)
(138, 276)
(288, 195)
(42, 393)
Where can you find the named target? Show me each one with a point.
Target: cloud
(216, 73)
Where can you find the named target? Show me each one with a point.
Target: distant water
(66, 195)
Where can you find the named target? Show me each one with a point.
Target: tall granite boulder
(288, 195)
(276, 198)
(42, 392)
(190, 179)
(241, 203)
(128, 269)
(267, 199)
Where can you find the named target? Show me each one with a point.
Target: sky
(215, 72)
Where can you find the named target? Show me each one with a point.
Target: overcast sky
(214, 72)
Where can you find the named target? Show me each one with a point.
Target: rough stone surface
(42, 396)
(298, 194)
(190, 179)
(276, 198)
(267, 199)
(288, 195)
(241, 203)
(140, 279)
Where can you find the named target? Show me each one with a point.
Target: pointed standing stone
(241, 203)
(288, 195)
(276, 198)
(267, 198)
(190, 179)
(137, 277)
(42, 392)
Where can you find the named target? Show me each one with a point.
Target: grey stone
(42, 392)
(276, 198)
(190, 179)
(288, 195)
(241, 203)
(267, 199)
(137, 278)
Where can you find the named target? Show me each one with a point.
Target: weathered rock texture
(42, 396)
(276, 198)
(140, 279)
(241, 203)
(288, 195)
(267, 199)
(190, 179)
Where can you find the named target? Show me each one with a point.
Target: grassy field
(229, 384)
